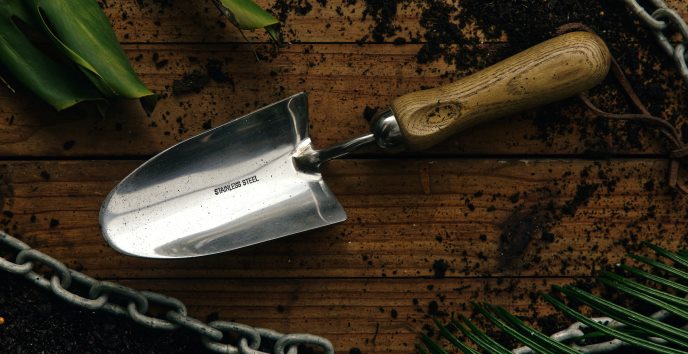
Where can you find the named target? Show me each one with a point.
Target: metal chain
(100, 294)
(575, 331)
(659, 21)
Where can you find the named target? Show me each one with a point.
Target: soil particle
(190, 83)
(217, 73)
(284, 7)
(434, 310)
(519, 229)
(383, 13)
(444, 36)
(369, 113)
(161, 64)
(6, 188)
(522, 226)
(440, 267)
(583, 192)
(68, 145)
(37, 322)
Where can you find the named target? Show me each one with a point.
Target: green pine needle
(444, 331)
(643, 323)
(640, 342)
(638, 327)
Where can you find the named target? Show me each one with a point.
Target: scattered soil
(35, 321)
(197, 79)
(517, 25)
(383, 13)
(190, 83)
(523, 226)
(217, 73)
(440, 267)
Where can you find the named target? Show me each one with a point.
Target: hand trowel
(257, 178)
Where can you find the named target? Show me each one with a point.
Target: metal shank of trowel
(385, 131)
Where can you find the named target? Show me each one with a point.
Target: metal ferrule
(387, 132)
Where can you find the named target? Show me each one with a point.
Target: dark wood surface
(425, 229)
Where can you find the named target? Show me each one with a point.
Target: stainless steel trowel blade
(230, 187)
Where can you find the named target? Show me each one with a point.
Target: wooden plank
(407, 218)
(333, 21)
(373, 315)
(348, 77)
(199, 21)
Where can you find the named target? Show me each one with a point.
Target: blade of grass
(640, 342)
(421, 349)
(650, 292)
(661, 266)
(536, 335)
(643, 323)
(537, 347)
(444, 331)
(665, 253)
(432, 345)
(643, 297)
(479, 337)
(655, 278)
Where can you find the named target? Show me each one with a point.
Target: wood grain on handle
(553, 70)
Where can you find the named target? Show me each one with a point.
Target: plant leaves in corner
(58, 85)
(663, 331)
(81, 34)
(247, 15)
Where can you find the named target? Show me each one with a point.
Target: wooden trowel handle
(553, 70)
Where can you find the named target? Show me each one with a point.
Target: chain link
(100, 295)
(659, 21)
(575, 331)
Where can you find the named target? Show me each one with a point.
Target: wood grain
(439, 227)
(348, 77)
(551, 71)
(373, 315)
(198, 21)
(404, 215)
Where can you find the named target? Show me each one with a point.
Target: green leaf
(640, 342)
(59, 85)
(421, 349)
(479, 337)
(665, 253)
(444, 331)
(641, 322)
(81, 31)
(432, 345)
(655, 278)
(535, 335)
(535, 346)
(662, 266)
(247, 15)
(666, 301)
